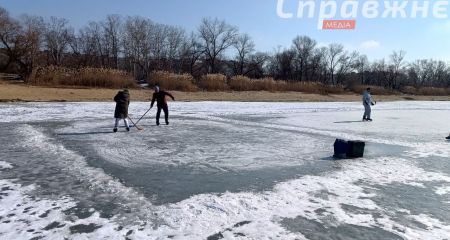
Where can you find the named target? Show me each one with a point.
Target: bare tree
(216, 37)
(361, 64)
(137, 46)
(32, 29)
(244, 46)
(334, 56)
(112, 28)
(191, 51)
(256, 65)
(158, 43)
(281, 65)
(175, 39)
(11, 39)
(304, 47)
(57, 37)
(347, 63)
(428, 72)
(318, 65)
(84, 47)
(395, 68)
(19, 41)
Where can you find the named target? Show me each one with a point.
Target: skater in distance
(161, 102)
(367, 102)
(122, 100)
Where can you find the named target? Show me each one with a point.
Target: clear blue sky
(420, 38)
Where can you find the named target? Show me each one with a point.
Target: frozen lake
(224, 170)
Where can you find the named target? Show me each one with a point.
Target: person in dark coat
(161, 102)
(122, 100)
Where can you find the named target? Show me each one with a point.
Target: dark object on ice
(122, 100)
(348, 149)
(448, 138)
(340, 148)
(356, 149)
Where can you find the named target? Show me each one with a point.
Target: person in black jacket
(161, 102)
(122, 100)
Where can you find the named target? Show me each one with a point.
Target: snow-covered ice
(224, 170)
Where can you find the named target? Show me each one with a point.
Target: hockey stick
(136, 126)
(144, 115)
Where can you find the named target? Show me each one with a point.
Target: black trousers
(165, 108)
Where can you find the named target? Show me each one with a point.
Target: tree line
(140, 46)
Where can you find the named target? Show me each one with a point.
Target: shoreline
(20, 92)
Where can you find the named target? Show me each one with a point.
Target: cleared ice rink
(224, 170)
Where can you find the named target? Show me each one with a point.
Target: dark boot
(128, 129)
(115, 130)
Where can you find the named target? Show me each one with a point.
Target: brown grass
(84, 77)
(19, 91)
(311, 87)
(214, 82)
(376, 90)
(172, 81)
(426, 91)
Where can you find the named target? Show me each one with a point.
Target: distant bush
(172, 81)
(214, 82)
(83, 77)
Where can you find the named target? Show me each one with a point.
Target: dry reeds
(214, 82)
(376, 90)
(242, 83)
(426, 91)
(172, 81)
(111, 78)
(83, 77)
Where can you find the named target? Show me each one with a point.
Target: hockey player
(367, 102)
(122, 100)
(161, 102)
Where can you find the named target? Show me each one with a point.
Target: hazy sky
(420, 38)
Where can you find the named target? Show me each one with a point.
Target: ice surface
(224, 170)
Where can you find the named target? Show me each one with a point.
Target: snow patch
(5, 165)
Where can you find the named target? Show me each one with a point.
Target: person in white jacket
(367, 102)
